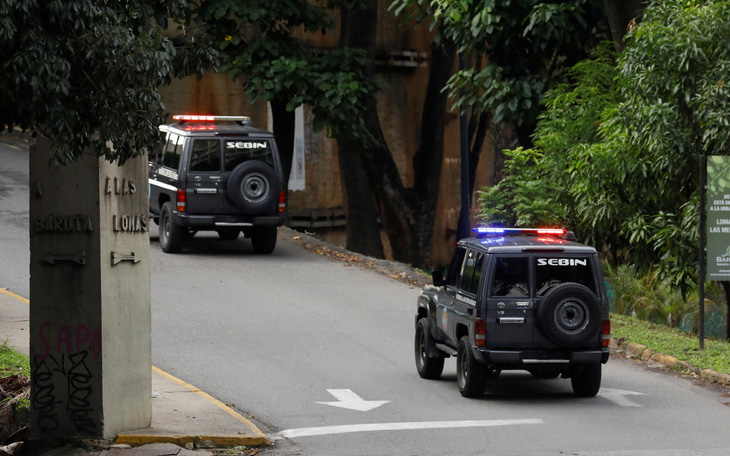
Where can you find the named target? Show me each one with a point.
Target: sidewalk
(181, 413)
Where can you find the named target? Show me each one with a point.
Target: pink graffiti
(68, 340)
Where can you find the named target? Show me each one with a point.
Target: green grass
(12, 362)
(674, 342)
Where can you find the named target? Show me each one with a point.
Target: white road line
(348, 428)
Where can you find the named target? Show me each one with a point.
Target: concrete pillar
(90, 342)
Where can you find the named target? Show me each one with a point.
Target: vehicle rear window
(511, 277)
(238, 151)
(206, 156)
(552, 271)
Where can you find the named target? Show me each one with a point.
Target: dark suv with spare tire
(516, 299)
(216, 173)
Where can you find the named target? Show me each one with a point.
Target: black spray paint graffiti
(62, 381)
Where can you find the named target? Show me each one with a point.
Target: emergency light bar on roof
(182, 118)
(487, 231)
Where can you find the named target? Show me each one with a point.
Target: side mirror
(438, 278)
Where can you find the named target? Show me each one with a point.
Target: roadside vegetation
(674, 342)
(14, 391)
(616, 158)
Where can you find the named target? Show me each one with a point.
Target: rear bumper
(522, 359)
(214, 222)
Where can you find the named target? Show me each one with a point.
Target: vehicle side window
(511, 277)
(472, 272)
(156, 150)
(550, 272)
(454, 273)
(206, 155)
(239, 151)
(173, 148)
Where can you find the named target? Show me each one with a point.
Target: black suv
(216, 173)
(528, 299)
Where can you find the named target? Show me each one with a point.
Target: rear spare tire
(253, 187)
(569, 315)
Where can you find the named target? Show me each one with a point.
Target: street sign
(718, 217)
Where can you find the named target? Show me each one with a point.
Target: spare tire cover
(569, 315)
(253, 187)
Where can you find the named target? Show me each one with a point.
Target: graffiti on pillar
(63, 380)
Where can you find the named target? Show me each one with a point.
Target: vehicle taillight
(605, 332)
(282, 201)
(181, 200)
(480, 329)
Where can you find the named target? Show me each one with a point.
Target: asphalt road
(320, 355)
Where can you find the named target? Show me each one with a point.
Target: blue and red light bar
(487, 231)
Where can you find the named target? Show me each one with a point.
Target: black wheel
(471, 375)
(253, 187)
(229, 234)
(569, 316)
(430, 368)
(172, 235)
(263, 240)
(586, 380)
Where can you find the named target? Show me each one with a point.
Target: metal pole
(703, 242)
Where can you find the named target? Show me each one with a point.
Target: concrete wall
(90, 346)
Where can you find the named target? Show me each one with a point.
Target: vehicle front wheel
(172, 235)
(263, 240)
(430, 368)
(587, 381)
(471, 375)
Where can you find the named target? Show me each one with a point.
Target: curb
(633, 350)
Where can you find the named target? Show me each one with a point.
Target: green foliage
(12, 362)
(620, 144)
(528, 44)
(540, 185)
(86, 73)
(261, 40)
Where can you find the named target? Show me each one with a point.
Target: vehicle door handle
(470, 311)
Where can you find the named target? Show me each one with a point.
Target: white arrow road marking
(349, 400)
(348, 428)
(618, 397)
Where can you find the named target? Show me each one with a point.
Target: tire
(229, 234)
(471, 375)
(586, 380)
(569, 316)
(172, 235)
(263, 240)
(253, 187)
(427, 367)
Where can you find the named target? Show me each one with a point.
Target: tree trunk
(620, 13)
(407, 215)
(363, 230)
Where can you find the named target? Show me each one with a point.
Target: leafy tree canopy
(86, 73)
(527, 44)
(616, 159)
(266, 42)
